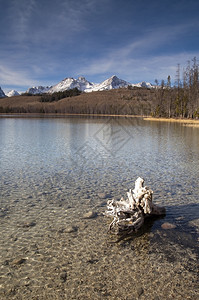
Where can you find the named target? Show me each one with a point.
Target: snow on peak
(12, 93)
(81, 78)
(112, 83)
(143, 84)
(70, 83)
(2, 94)
(38, 90)
(85, 86)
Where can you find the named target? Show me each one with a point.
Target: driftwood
(129, 215)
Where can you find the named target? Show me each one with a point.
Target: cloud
(139, 69)
(45, 40)
(13, 77)
(143, 58)
(74, 13)
(37, 22)
(20, 13)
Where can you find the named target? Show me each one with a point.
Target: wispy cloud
(45, 41)
(74, 13)
(49, 21)
(13, 77)
(20, 14)
(140, 59)
(139, 69)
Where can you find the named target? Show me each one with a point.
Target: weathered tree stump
(129, 215)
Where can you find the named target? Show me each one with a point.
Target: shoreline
(64, 114)
(187, 122)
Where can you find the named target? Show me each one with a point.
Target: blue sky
(44, 41)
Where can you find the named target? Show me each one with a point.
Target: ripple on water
(49, 250)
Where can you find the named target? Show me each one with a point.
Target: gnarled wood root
(129, 215)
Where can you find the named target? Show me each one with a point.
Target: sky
(45, 41)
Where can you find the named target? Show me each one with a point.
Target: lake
(53, 171)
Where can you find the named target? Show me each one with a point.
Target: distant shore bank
(187, 122)
(112, 103)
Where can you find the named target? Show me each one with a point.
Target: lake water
(55, 170)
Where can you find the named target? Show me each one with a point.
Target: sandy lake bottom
(53, 172)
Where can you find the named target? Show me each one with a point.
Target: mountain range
(82, 84)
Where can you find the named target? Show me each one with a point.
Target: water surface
(54, 170)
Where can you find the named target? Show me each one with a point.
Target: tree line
(181, 100)
(60, 95)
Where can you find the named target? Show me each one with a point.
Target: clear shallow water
(53, 171)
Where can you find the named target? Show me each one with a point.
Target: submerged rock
(28, 224)
(70, 229)
(63, 276)
(18, 261)
(168, 225)
(3, 212)
(140, 291)
(103, 195)
(92, 261)
(90, 215)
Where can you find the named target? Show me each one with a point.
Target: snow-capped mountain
(111, 83)
(66, 84)
(144, 84)
(12, 93)
(38, 90)
(85, 86)
(2, 94)
(70, 83)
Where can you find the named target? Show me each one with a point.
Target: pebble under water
(56, 176)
